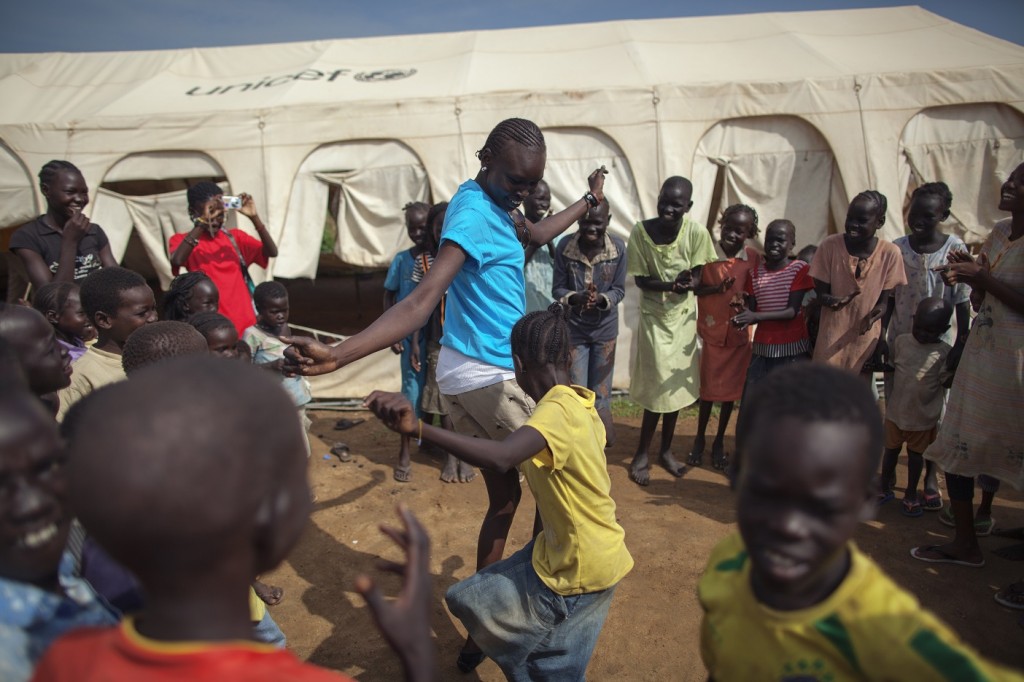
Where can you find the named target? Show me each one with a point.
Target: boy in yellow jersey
(790, 597)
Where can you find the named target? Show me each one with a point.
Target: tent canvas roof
(66, 88)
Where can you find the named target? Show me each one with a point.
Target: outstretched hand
(394, 409)
(308, 357)
(248, 207)
(405, 621)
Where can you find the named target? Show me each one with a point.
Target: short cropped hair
(268, 291)
(102, 289)
(151, 343)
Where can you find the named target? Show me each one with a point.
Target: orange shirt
(121, 653)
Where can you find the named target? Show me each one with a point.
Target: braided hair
(53, 296)
(879, 200)
(210, 321)
(48, 173)
(736, 209)
(180, 291)
(936, 189)
(517, 130)
(542, 337)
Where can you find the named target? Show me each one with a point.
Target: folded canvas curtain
(16, 195)
(154, 218)
(376, 179)
(970, 147)
(780, 165)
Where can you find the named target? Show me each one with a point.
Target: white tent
(790, 112)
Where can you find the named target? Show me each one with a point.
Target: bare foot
(449, 472)
(270, 594)
(466, 472)
(696, 457)
(672, 465)
(718, 458)
(640, 470)
(403, 474)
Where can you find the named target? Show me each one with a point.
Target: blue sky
(90, 25)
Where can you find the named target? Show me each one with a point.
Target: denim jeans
(268, 632)
(592, 366)
(531, 632)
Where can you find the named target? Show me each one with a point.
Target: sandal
(912, 508)
(944, 557)
(695, 459)
(932, 502)
(885, 496)
(1010, 596)
(982, 527)
(720, 461)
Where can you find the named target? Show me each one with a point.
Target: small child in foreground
(220, 334)
(539, 612)
(190, 293)
(913, 410)
(791, 597)
(61, 304)
(195, 518)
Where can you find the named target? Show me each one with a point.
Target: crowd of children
(133, 551)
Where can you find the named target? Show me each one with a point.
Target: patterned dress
(982, 431)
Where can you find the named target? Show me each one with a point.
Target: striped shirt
(771, 290)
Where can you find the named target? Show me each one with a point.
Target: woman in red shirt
(224, 255)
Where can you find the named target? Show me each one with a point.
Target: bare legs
(639, 468)
(718, 458)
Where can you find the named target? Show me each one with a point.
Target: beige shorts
(490, 412)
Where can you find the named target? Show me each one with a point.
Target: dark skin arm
(248, 209)
(977, 274)
(310, 357)
(750, 316)
(701, 289)
(824, 291)
(545, 230)
(396, 412)
(389, 300)
(680, 285)
(405, 621)
(74, 230)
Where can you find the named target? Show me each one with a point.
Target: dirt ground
(652, 631)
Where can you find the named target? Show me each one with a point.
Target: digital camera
(232, 202)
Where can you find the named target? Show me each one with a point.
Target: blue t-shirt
(399, 278)
(487, 296)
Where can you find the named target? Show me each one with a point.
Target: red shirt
(121, 653)
(771, 289)
(218, 259)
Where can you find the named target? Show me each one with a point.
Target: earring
(483, 168)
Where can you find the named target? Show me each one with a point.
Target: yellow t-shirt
(94, 369)
(868, 629)
(582, 548)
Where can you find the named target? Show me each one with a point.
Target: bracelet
(192, 241)
(419, 441)
(591, 199)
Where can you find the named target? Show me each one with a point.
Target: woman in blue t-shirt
(480, 265)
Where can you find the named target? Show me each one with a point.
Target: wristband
(192, 241)
(592, 200)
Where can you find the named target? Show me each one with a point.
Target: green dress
(666, 370)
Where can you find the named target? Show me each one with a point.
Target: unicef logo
(383, 75)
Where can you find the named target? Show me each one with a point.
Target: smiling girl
(854, 275)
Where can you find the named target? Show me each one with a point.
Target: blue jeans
(593, 364)
(268, 632)
(531, 632)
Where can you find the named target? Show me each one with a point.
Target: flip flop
(946, 557)
(695, 459)
(343, 424)
(1010, 597)
(912, 508)
(885, 496)
(932, 502)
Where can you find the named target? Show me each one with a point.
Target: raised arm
(547, 229)
(310, 357)
(248, 209)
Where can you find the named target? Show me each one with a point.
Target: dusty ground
(652, 631)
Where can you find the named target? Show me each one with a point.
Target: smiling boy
(39, 598)
(791, 597)
(117, 301)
